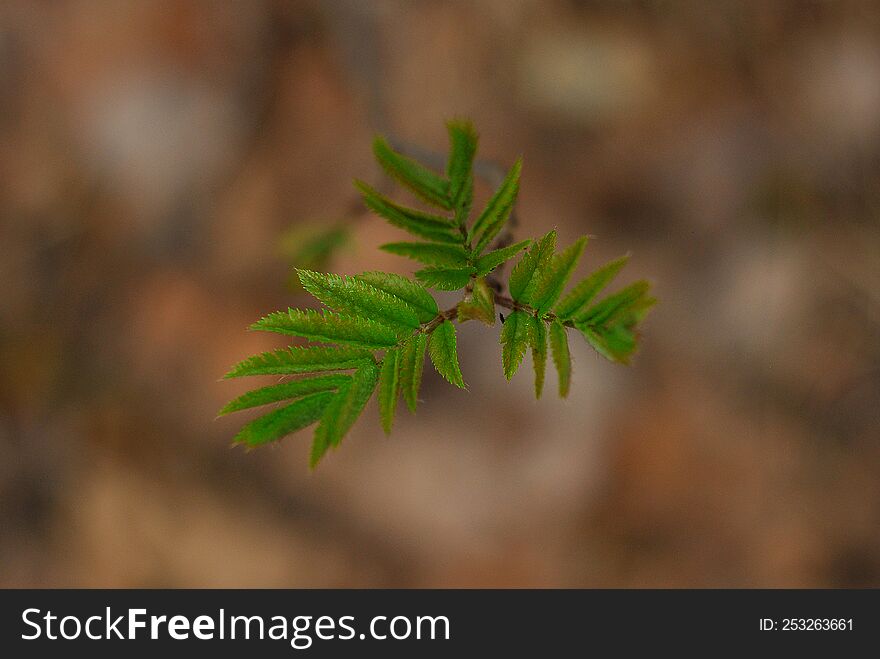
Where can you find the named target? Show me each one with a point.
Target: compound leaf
(428, 185)
(514, 341)
(308, 359)
(444, 355)
(497, 210)
(561, 356)
(614, 305)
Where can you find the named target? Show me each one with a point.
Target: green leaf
(561, 356)
(616, 343)
(497, 211)
(636, 312)
(411, 292)
(355, 296)
(412, 363)
(608, 309)
(288, 361)
(526, 275)
(344, 409)
(423, 225)
(328, 326)
(514, 341)
(389, 388)
(479, 304)
(428, 185)
(444, 355)
(583, 293)
(284, 391)
(285, 420)
(538, 341)
(557, 274)
(459, 168)
(445, 279)
(430, 253)
(488, 262)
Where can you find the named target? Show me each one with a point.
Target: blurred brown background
(154, 154)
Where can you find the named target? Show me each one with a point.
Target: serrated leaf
(328, 326)
(514, 341)
(411, 364)
(561, 356)
(423, 225)
(479, 304)
(430, 253)
(428, 185)
(285, 420)
(444, 355)
(288, 361)
(616, 343)
(497, 210)
(344, 409)
(557, 274)
(284, 391)
(348, 294)
(583, 293)
(445, 279)
(608, 309)
(388, 389)
(491, 260)
(459, 168)
(527, 274)
(411, 292)
(538, 342)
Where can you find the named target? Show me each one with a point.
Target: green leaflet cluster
(536, 284)
(376, 328)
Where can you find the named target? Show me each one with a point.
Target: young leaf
(444, 355)
(411, 364)
(514, 341)
(494, 216)
(288, 361)
(328, 326)
(459, 168)
(423, 225)
(344, 409)
(411, 292)
(608, 309)
(284, 391)
(388, 389)
(488, 262)
(431, 187)
(445, 279)
(526, 275)
(538, 341)
(557, 274)
(581, 295)
(358, 297)
(561, 356)
(430, 253)
(285, 420)
(616, 343)
(636, 312)
(479, 304)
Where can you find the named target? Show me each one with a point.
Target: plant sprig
(378, 326)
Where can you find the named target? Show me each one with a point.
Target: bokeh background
(161, 164)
